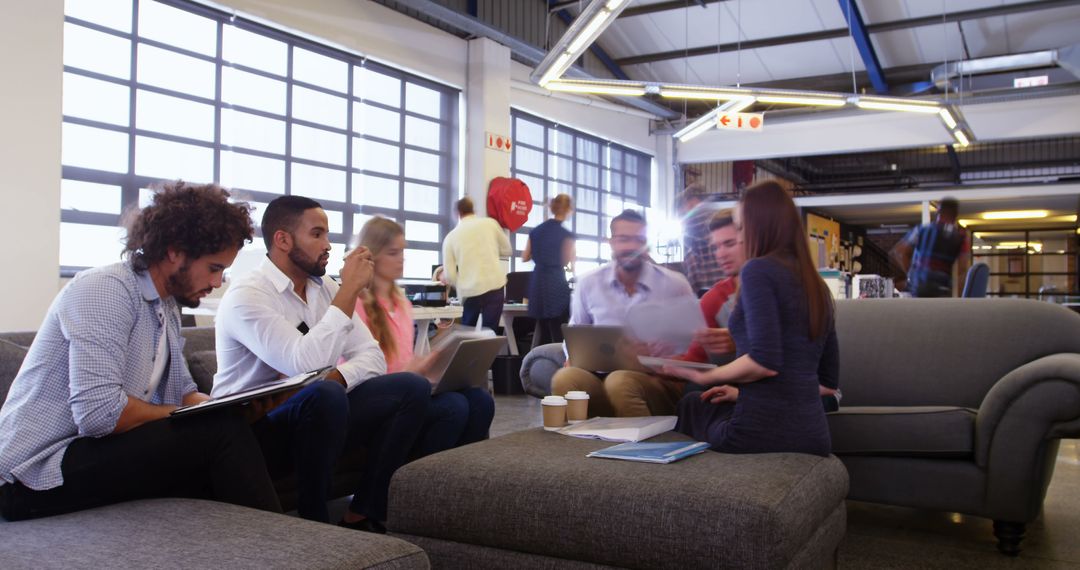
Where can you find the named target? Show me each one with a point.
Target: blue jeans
(489, 304)
(455, 419)
(306, 435)
(386, 414)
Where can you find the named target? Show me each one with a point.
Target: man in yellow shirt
(472, 254)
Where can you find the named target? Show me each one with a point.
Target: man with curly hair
(86, 421)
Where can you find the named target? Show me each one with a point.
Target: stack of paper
(651, 452)
(621, 429)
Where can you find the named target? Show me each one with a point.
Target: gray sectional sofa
(954, 405)
(188, 533)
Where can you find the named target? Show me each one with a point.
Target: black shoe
(365, 525)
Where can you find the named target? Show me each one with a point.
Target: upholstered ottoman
(532, 499)
(189, 533)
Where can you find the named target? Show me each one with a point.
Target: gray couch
(949, 404)
(957, 404)
(174, 533)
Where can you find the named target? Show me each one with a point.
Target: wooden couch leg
(1009, 535)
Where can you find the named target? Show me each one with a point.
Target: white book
(621, 429)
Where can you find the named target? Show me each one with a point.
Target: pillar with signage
(487, 122)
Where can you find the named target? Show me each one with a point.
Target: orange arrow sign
(741, 121)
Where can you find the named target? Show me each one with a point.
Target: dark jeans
(489, 304)
(455, 419)
(209, 456)
(386, 414)
(306, 435)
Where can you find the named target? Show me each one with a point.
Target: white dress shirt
(258, 338)
(471, 253)
(600, 299)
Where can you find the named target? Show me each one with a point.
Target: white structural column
(31, 111)
(487, 97)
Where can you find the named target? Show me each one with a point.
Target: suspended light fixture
(708, 120)
(594, 19)
(820, 101)
(597, 88)
(897, 104)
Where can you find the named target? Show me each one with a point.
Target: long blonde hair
(376, 235)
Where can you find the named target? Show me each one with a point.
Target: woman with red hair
(785, 341)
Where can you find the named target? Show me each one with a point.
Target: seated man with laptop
(602, 299)
(461, 409)
(285, 318)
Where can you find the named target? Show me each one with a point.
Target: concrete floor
(880, 536)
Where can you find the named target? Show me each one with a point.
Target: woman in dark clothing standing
(551, 248)
(784, 338)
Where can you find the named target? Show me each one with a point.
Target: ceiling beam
(1004, 10)
(861, 36)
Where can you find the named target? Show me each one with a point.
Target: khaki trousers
(624, 393)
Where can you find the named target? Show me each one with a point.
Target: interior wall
(30, 111)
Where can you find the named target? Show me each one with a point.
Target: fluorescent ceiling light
(797, 100)
(948, 118)
(1014, 214)
(713, 95)
(556, 69)
(897, 106)
(1037, 246)
(736, 105)
(596, 88)
(585, 38)
(614, 4)
(961, 138)
(702, 124)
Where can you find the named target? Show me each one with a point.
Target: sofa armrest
(539, 366)
(1044, 394)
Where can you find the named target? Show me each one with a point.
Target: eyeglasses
(622, 238)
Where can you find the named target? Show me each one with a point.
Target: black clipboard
(245, 396)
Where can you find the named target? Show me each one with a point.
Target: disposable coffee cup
(577, 406)
(554, 412)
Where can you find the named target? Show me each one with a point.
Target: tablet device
(242, 397)
(596, 348)
(469, 364)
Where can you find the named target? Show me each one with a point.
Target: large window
(161, 90)
(603, 178)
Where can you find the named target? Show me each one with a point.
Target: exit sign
(741, 121)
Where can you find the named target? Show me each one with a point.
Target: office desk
(510, 312)
(423, 317)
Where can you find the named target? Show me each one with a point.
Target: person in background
(699, 254)
(603, 297)
(86, 422)
(471, 262)
(928, 252)
(714, 344)
(453, 418)
(785, 340)
(286, 318)
(551, 248)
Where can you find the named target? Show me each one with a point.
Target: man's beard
(181, 289)
(305, 262)
(630, 261)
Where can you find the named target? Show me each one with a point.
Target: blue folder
(651, 452)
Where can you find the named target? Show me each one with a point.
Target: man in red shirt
(714, 344)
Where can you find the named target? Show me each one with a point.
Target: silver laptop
(469, 364)
(596, 348)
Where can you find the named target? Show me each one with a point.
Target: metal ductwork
(1067, 58)
(522, 51)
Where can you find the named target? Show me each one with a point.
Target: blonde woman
(453, 418)
(551, 248)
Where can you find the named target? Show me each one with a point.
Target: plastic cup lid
(577, 395)
(553, 401)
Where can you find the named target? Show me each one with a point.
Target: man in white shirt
(471, 262)
(284, 319)
(602, 297)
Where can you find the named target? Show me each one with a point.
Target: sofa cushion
(194, 534)
(909, 431)
(203, 366)
(11, 359)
